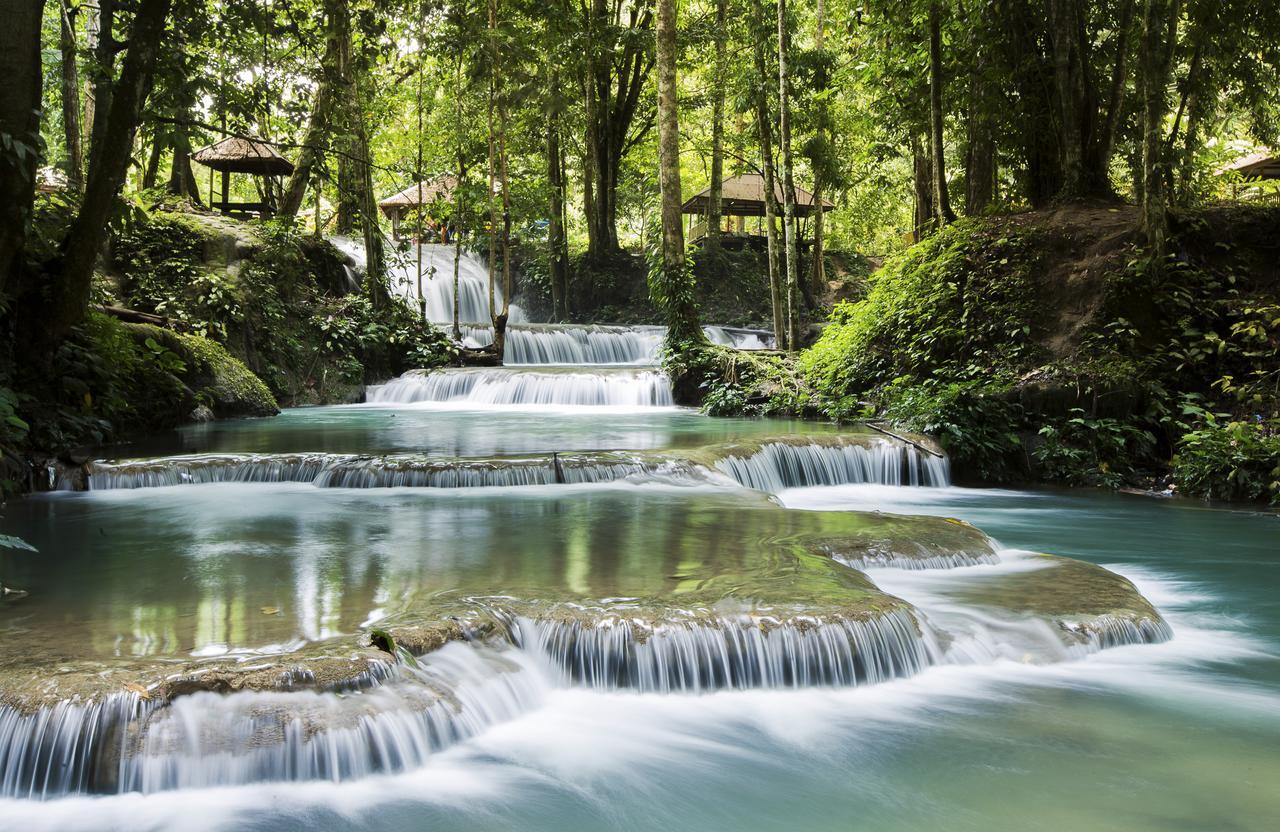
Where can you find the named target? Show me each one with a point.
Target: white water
(507, 386)
(350, 471)
(437, 281)
(598, 344)
(780, 465)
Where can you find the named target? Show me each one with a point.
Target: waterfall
(347, 471)
(742, 339)
(421, 706)
(210, 739)
(779, 465)
(574, 344)
(736, 653)
(63, 748)
(437, 280)
(619, 388)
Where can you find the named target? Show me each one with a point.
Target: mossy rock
(219, 380)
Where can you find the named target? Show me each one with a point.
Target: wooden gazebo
(241, 155)
(743, 196)
(415, 197)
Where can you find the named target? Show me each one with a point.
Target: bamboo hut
(243, 155)
(741, 197)
(408, 202)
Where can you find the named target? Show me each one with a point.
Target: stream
(609, 612)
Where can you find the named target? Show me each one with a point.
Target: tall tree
(941, 195)
(109, 161)
(1159, 38)
(70, 96)
(557, 241)
(619, 61)
(675, 287)
(718, 81)
(819, 157)
(764, 129)
(320, 121)
(19, 127)
(789, 229)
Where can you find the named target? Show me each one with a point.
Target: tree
(941, 197)
(674, 288)
(1159, 37)
(115, 125)
(718, 81)
(618, 63)
(19, 129)
(764, 130)
(789, 230)
(320, 122)
(70, 97)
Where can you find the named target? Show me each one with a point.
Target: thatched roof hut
(1256, 166)
(419, 193)
(743, 196)
(426, 192)
(240, 155)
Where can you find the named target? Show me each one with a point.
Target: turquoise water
(1183, 735)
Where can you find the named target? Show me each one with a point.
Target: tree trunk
(348, 208)
(980, 161)
(375, 269)
(104, 61)
(717, 128)
(20, 118)
(1062, 37)
(922, 182)
(70, 99)
(109, 161)
(791, 244)
(1115, 101)
(1159, 36)
(941, 196)
(618, 67)
(764, 128)
(319, 123)
(152, 172)
(676, 290)
(556, 244)
(818, 270)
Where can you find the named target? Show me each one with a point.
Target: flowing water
(613, 613)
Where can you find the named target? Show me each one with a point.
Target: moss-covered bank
(1047, 346)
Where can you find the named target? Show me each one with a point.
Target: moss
(219, 380)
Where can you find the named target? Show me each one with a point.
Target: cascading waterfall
(734, 653)
(597, 343)
(64, 748)
(779, 465)
(345, 471)
(568, 344)
(212, 740)
(598, 388)
(419, 707)
(437, 280)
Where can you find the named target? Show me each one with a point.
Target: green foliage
(1088, 451)
(976, 424)
(1230, 461)
(960, 306)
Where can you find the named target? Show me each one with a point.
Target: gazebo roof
(1256, 166)
(241, 155)
(429, 190)
(743, 196)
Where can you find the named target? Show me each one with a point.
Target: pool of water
(1183, 735)
(445, 432)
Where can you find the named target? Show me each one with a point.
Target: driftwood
(133, 316)
(900, 438)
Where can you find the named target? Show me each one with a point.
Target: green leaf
(8, 541)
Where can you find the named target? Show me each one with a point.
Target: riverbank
(1046, 347)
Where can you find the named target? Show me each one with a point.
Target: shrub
(1230, 461)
